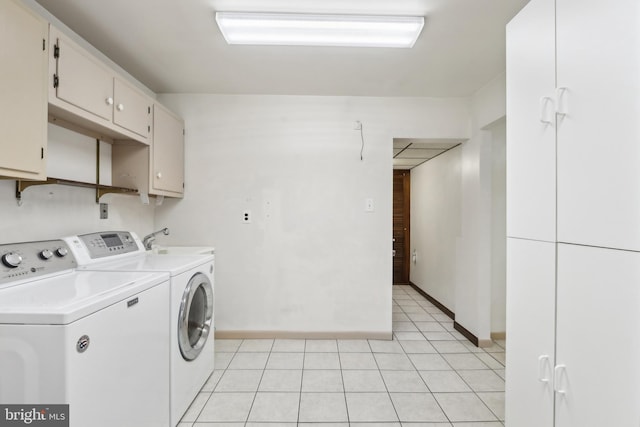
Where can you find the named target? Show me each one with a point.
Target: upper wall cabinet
(79, 79)
(132, 109)
(23, 92)
(85, 91)
(159, 168)
(167, 152)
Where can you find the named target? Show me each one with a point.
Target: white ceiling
(175, 46)
(411, 152)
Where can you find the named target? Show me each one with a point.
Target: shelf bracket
(102, 190)
(98, 192)
(23, 185)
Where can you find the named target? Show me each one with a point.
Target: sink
(183, 250)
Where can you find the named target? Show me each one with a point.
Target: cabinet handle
(561, 94)
(120, 107)
(159, 175)
(542, 364)
(559, 372)
(543, 110)
(109, 101)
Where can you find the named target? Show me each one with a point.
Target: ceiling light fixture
(319, 30)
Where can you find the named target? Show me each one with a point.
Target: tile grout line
(344, 389)
(304, 356)
(385, 383)
(425, 383)
(255, 394)
(462, 378)
(216, 386)
(468, 385)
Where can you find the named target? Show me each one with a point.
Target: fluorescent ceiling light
(319, 30)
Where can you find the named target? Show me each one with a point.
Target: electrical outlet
(104, 211)
(246, 217)
(357, 125)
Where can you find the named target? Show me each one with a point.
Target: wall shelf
(101, 190)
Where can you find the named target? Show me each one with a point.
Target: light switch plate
(368, 205)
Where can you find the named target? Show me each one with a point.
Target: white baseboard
(485, 343)
(498, 335)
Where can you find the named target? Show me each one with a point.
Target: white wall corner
(473, 293)
(489, 103)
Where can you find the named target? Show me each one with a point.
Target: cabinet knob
(159, 175)
(109, 101)
(120, 107)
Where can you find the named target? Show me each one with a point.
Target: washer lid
(174, 264)
(63, 299)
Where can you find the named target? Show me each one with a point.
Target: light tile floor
(428, 376)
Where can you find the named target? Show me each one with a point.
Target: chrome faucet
(148, 240)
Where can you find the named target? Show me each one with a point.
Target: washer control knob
(11, 259)
(62, 252)
(45, 254)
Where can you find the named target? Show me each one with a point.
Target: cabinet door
(531, 269)
(598, 139)
(23, 92)
(167, 163)
(597, 337)
(82, 80)
(132, 109)
(531, 143)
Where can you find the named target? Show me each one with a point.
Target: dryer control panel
(26, 260)
(109, 243)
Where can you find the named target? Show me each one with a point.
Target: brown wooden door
(401, 226)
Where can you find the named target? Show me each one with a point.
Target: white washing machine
(95, 341)
(191, 304)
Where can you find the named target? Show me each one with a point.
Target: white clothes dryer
(95, 341)
(191, 304)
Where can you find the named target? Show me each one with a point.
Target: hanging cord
(362, 147)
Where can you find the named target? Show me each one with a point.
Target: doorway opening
(409, 153)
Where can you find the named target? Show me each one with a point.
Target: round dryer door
(196, 316)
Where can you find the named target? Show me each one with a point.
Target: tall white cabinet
(597, 375)
(598, 96)
(531, 165)
(573, 214)
(531, 308)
